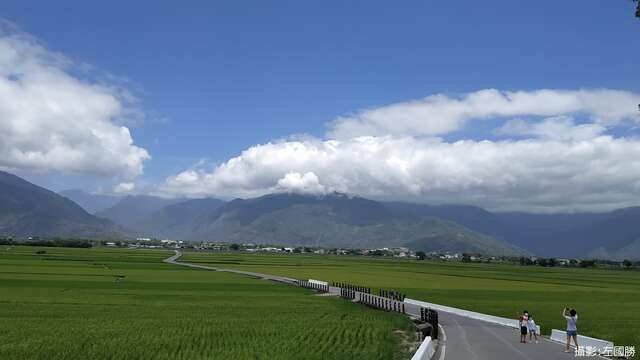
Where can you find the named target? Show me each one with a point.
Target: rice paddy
(58, 303)
(607, 300)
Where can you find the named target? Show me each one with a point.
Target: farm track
(282, 279)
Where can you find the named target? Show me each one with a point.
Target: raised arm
(564, 312)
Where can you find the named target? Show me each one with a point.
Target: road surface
(461, 338)
(282, 279)
(475, 339)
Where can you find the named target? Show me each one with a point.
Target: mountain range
(328, 220)
(338, 220)
(607, 235)
(27, 210)
(133, 209)
(91, 202)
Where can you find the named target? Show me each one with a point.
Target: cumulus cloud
(51, 119)
(124, 188)
(540, 175)
(544, 160)
(300, 183)
(555, 128)
(441, 114)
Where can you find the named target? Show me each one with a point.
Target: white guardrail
(513, 323)
(318, 282)
(425, 351)
(561, 337)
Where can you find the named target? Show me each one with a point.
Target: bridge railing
(313, 284)
(387, 300)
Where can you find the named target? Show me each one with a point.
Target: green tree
(6, 241)
(542, 262)
(627, 264)
(587, 263)
(234, 247)
(420, 255)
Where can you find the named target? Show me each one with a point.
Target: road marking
(442, 347)
(463, 336)
(504, 341)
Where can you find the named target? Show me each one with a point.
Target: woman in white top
(572, 328)
(533, 329)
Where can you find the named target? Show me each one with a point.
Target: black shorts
(523, 330)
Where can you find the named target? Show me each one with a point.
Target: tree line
(56, 242)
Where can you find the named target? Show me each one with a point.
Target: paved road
(461, 338)
(282, 279)
(478, 340)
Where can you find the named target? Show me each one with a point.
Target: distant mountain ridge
(333, 220)
(92, 203)
(135, 208)
(327, 220)
(612, 235)
(175, 220)
(29, 210)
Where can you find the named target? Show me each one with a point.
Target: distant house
(270, 249)
(111, 244)
(449, 256)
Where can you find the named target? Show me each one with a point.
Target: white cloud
(124, 188)
(51, 119)
(539, 175)
(299, 183)
(440, 114)
(555, 128)
(555, 164)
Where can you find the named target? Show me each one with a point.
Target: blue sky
(215, 78)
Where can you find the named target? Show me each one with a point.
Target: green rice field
(607, 301)
(60, 303)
